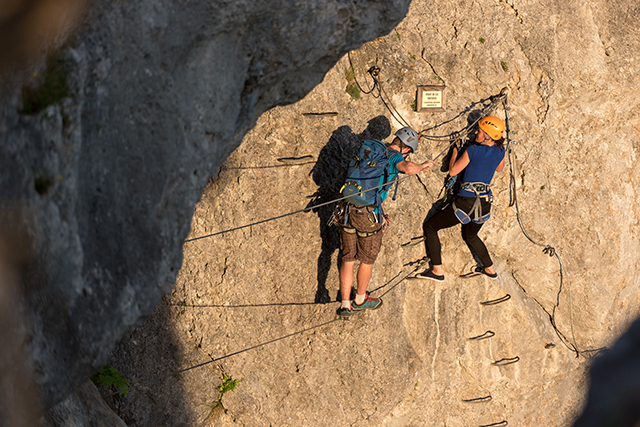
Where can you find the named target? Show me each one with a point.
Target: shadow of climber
(329, 173)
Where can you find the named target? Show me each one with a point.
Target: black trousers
(446, 219)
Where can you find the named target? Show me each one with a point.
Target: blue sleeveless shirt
(483, 161)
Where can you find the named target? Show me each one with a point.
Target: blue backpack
(368, 176)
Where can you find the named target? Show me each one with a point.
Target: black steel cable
(496, 100)
(355, 79)
(199, 365)
(549, 250)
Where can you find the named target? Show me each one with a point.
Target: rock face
(98, 191)
(574, 138)
(82, 408)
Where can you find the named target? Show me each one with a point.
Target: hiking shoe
(369, 303)
(344, 312)
(430, 275)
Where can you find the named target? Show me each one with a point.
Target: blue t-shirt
(483, 161)
(395, 158)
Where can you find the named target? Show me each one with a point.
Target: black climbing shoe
(430, 275)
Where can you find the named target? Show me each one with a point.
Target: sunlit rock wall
(570, 70)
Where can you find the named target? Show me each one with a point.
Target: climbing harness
(340, 216)
(477, 188)
(362, 234)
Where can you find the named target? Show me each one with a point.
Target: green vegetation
(398, 35)
(412, 56)
(50, 88)
(482, 40)
(354, 91)
(504, 66)
(415, 387)
(352, 87)
(228, 384)
(350, 74)
(109, 376)
(414, 105)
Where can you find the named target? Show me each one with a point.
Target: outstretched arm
(411, 168)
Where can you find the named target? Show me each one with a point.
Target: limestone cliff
(98, 190)
(166, 91)
(574, 131)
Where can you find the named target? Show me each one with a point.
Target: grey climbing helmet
(409, 137)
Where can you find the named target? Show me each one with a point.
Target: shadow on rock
(329, 173)
(147, 359)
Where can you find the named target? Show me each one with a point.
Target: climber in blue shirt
(473, 203)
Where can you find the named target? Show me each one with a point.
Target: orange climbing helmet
(493, 126)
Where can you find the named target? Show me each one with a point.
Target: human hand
(428, 164)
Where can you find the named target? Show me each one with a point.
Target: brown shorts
(355, 247)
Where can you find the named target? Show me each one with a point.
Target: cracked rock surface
(98, 190)
(574, 129)
(170, 101)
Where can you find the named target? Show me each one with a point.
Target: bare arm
(460, 164)
(500, 166)
(454, 157)
(411, 168)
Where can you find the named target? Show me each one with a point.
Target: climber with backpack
(372, 172)
(471, 207)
